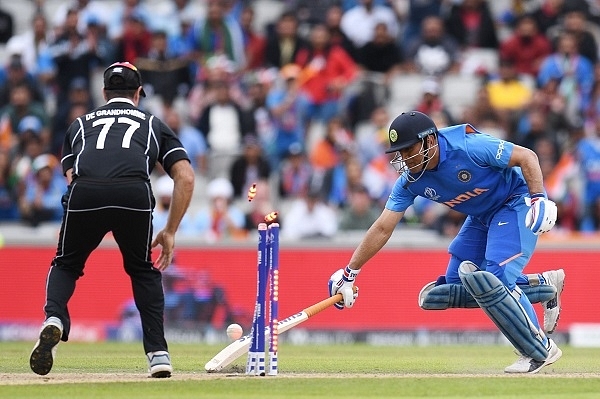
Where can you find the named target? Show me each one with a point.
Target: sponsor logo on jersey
(431, 194)
(464, 197)
(500, 150)
(464, 176)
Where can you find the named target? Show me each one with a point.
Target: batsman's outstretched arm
(376, 237)
(342, 281)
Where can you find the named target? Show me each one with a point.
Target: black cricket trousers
(92, 209)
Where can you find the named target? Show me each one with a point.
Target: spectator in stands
(360, 213)
(283, 104)
(575, 22)
(482, 111)
(295, 174)
(17, 74)
(381, 59)
(548, 14)
(6, 26)
(285, 42)
(381, 54)
(507, 92)
(339, 180)
(415, 14)
(526, 47)
(333, 19)
(8, 196)
(136, 39)
(310, 13)
(166, 75)
(31, 44)
(538, 130)
(215, 35)
(431, 101)
(326, 71)
(223, 127)
(551, 104)
(309, 218)
(249, 167)
(175, 16)
(73, 55)
(588, 157)
(574, 74)
(88, 10)
(28, 148)
(44, 188)
(221, 220)
(254, 42)
(434, 52)
(326, 152)
(472, 25)
(126, 9)
(21, 105)
(192, 139)
(79, 94)
(358, 23)
(372, 135)
(256, 113)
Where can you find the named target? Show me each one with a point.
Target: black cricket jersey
(118, 140)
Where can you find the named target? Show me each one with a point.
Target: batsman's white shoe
(159, 364)
(527, 365)
(42, 355)
(552, 309)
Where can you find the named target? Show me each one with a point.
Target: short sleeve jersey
(118, 140)
(472, 176)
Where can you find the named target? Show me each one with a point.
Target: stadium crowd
(301, 103)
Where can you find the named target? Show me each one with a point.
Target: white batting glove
(342, 281)
(541, 216)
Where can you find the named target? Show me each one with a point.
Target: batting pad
(504, 310)
(447, 296)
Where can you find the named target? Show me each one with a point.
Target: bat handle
(324, 304)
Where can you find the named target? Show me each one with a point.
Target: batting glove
(541, 216)
(342, 281)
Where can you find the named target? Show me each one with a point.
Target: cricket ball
(234, 331)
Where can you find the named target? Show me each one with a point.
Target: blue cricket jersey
(472, 176)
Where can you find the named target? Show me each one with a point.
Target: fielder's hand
(541, 217)
(342, 281)
(167, 243)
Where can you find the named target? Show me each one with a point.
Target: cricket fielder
(499, 186)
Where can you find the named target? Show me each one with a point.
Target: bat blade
(240, 346)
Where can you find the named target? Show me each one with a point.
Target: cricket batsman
(499, 186)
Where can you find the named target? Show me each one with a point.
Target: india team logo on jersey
(464, 176)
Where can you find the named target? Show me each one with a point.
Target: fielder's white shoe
(42, 355)
(159, 364)
(528, 365)
(552, 309)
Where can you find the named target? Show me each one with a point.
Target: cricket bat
(238, 347)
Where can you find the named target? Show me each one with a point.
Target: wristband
(537, 195)
(350, 274)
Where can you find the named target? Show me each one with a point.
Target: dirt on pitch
(81, 378)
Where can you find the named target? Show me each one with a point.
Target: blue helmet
(409, 128)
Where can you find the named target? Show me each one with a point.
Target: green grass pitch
(118, 370)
